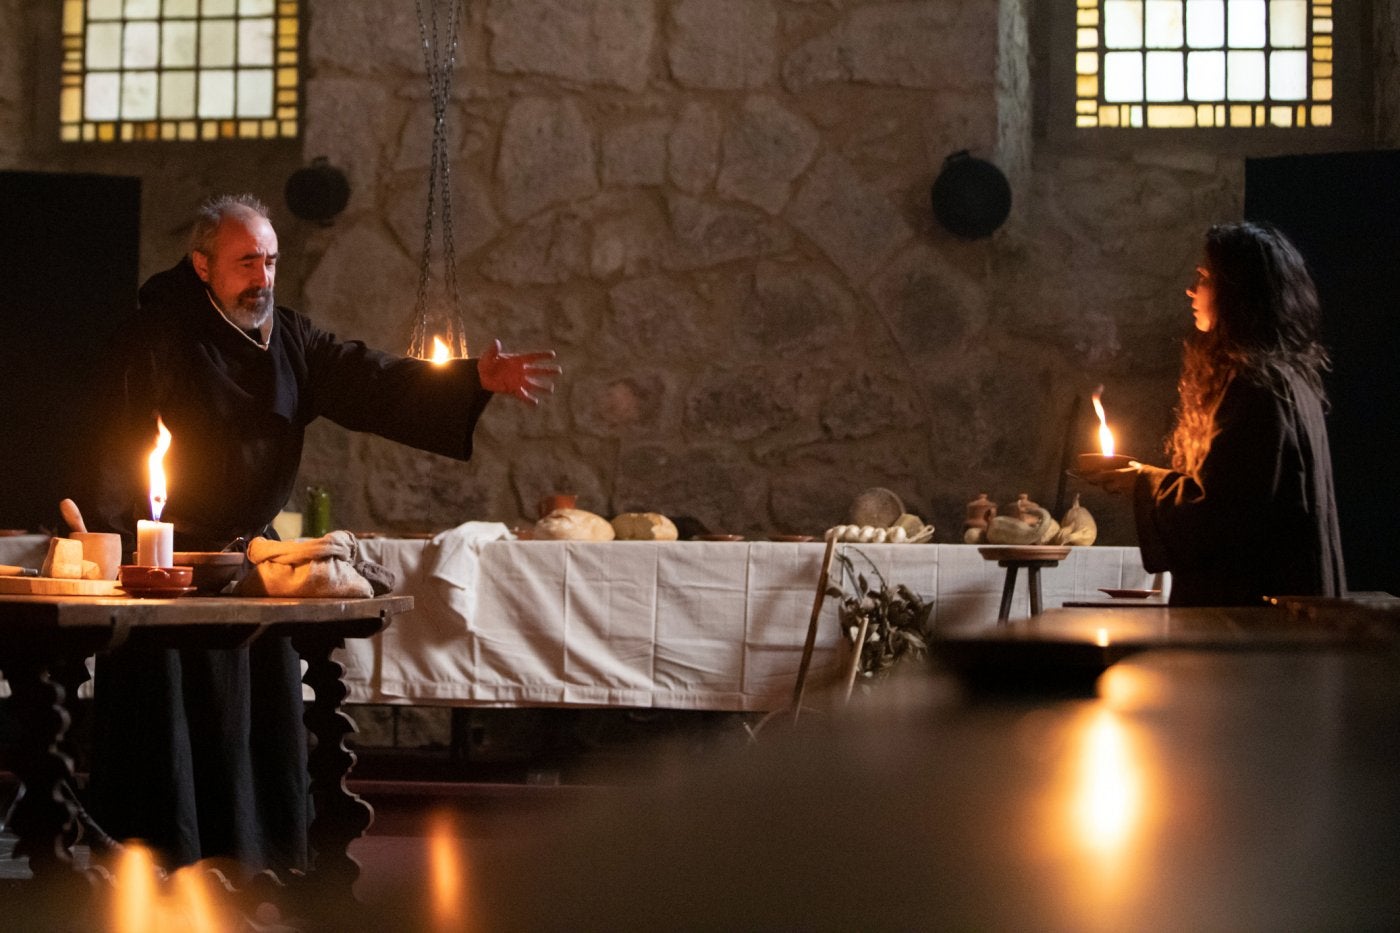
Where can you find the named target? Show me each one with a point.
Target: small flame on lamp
(1105, 435)
(441, 354)
(158, 470)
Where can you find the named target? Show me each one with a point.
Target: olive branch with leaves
(895, 620)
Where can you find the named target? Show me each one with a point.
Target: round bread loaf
(573, 525)
(644, 526)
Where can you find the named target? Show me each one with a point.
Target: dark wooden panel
(69, 250)
(1343, 211)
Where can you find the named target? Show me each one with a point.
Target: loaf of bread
(644, 526)
(573, 525)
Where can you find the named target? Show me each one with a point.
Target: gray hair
(212, 213)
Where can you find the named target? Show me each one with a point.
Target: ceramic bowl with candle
(159, 582)
(1090, 463)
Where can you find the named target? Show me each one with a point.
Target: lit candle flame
(441, 353)
(135, 903)
(1105, 435)
(198, 914)
(158, 470)
(141, 906)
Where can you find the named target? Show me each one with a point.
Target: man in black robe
(202, 753)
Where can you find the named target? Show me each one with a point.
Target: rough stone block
(764, 150)
(655, 317)
(852, 221)
(693, 147)
(723, 44)
(357, 295)
(606, 42)
(546, 156)
(709, 234)
(795, 308)
(609, 406)
(916, 44)
(547, 249)
(716, 485)
(635, 153)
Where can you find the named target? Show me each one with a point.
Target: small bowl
(137, 577)
(213, 570)
(1098, 463)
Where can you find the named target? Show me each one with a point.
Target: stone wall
(717, 212)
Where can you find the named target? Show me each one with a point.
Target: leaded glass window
(1203, 63)
(179, 70)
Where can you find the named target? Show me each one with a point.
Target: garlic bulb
(1078, 527)
(874, 534)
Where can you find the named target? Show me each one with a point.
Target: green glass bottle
(316, 517)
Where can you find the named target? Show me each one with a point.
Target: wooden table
(44, 640)
(1241, 774)
(1068, 648)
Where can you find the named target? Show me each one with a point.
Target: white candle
(155, 544)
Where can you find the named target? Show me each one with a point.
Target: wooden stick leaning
(853, 666)
(822, 581)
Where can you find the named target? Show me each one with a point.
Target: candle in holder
(155, 539)
(155, 544)
(1105, 459)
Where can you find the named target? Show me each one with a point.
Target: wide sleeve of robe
(424, 405)
(1260, 517)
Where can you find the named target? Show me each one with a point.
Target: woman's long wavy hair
(1266, 326)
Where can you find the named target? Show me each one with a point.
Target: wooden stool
(1013, 558)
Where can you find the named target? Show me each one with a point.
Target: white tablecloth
(685, 625)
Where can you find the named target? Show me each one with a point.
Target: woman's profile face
(1202, 295)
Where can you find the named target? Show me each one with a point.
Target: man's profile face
(240, 268)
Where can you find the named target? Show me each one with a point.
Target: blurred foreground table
(45, 639)
(1239, 774)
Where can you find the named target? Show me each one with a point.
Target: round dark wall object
(971, 197)
(317, 192)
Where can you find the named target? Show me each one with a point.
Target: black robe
(1260, 518)
(202, 753)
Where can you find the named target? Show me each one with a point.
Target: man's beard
(252, 309)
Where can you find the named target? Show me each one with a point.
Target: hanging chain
(439, 59)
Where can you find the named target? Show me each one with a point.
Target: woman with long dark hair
(1247, 509)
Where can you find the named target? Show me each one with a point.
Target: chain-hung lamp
(439, 332)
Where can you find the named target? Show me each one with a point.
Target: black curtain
(1343, 212)
(69, 251)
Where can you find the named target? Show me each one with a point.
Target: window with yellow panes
(179, 70)
(1203, 63)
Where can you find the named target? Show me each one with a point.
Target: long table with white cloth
(676, 624)
(680, 624)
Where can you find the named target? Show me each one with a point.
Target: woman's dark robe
(202, 753)
(1260, 518)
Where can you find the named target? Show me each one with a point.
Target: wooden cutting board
(52, 586)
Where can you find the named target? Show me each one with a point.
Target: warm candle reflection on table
(1195, 790)
(448, 880)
